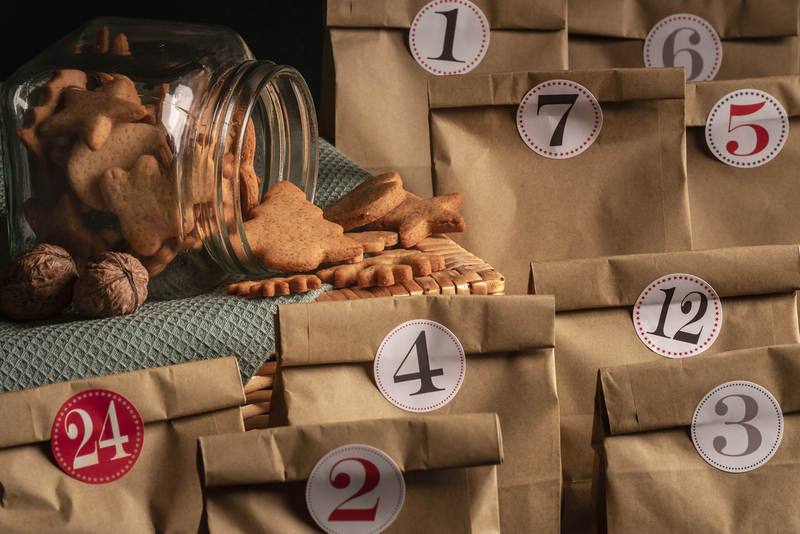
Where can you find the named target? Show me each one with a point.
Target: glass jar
(154, 138)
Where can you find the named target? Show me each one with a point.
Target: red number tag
(97, 436)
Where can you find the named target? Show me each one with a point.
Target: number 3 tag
(97, 436)
(355, 489)
(420, 366)
(678, 316)
(737, 426)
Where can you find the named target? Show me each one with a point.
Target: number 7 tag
(420, 366)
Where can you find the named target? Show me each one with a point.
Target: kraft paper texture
(374, 106)
(594, 329)
(255, 482)
(161, 493)
(625, 194)
(732, 206)
(325, 375)
(758, 38)
(650, 477)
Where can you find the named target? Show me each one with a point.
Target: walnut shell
(38, 283)
(113, 283)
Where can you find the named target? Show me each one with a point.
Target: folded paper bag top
(161, 492)
(643, 430)
(256, 481)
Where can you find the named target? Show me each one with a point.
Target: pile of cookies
(351, 242)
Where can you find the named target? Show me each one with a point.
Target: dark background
(288, 32)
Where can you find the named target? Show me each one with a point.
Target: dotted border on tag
(775, 445)
(65, 408)
(474, 61)
(692, 18)
(377, 452)
(767, 98)
(709, 340)
(449, 397)
(548, 152)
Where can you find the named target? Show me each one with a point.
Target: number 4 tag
(420, 366)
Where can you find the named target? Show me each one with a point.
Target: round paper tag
(678, 315)
(420, 366)
(737, 427)
(559, 119)
(355, 489)
(449, 36)
(97, 436)
(687, 41)
(746, 128)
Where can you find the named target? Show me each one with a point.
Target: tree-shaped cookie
(145, 200)
(417, 218)
(269, 287)
(286, 232)
(382, 270)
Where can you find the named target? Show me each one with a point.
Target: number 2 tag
(737, 426)
(559, 119)
(420, 366)
(746, 128)
(678, 315)
(97, 436)
(355, 489)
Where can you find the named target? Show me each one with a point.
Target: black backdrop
(288, 32)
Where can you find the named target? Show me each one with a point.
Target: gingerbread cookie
(144, 199)
(91, 114)
(417, 218)
(382, 270)
(269, 287)
(374, 241)
(286, 232)
(125, 143)
(367, 202)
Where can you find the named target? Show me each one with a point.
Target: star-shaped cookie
(417, 218)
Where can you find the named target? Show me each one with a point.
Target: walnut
(38, 283)
(113, 283)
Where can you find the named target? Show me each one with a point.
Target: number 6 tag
(420, 366)
(97, 436)
(678, 315)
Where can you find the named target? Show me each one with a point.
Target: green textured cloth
(160, 333)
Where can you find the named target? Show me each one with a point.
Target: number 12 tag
(97, 436)
(420, 366)
(678, 315)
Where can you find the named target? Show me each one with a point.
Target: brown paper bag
(256, 481)
(374, 107)
(595, 329)
(758, 39)
(625, 194)
(650, 476)
(327, 351)
(733, 206)
(160, 493)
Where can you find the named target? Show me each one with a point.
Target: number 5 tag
(97, 436)
(420, 366)
(678, 315)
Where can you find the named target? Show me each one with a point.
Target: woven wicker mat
(160, 333)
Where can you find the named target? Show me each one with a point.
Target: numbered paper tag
(678, 316)
(687, 41)
(559, 119)
(449, 36)
(355, 489)
(420, 366)
(746, 128)
(97, 436)
(737, 427)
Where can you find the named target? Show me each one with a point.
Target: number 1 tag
(678, 315)
(420, 366)
(97, 436)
